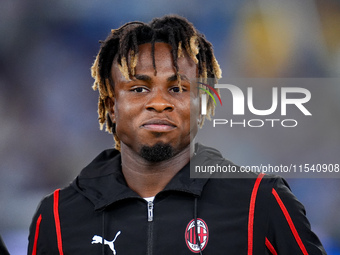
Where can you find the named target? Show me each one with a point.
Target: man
(139, 198)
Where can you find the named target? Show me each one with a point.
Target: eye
(175, 89)
(139, 90)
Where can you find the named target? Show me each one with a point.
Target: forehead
(163, 57)
(164, 62)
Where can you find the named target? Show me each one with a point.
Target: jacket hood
(103, 183)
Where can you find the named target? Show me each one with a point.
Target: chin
(157, 152)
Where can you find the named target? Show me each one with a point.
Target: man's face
(149, 109)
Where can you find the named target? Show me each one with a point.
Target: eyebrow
(143, 77)
(174, 77)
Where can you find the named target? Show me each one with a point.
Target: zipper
(150, 211)
(150, 228)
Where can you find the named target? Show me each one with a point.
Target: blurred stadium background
(49, 128)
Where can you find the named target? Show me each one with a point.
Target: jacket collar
(103, 183)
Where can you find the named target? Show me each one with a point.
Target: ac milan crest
(195, 237)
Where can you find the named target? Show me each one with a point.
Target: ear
(110, 106)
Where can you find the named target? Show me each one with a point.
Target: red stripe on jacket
(290, 222)
(36, 235)
(57, 220)
(270, 247)
(251, 213)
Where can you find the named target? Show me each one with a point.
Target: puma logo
(99, 239)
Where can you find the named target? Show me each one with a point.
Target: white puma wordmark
(99, 239)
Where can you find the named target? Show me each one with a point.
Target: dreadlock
(122, 45)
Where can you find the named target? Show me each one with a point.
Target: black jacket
(3, 248)
(99, 214)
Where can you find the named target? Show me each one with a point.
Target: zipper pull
(150, 211)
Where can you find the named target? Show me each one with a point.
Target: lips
(159, 125)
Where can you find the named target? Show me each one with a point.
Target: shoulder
(59, 195)
(58, 198)
(249, 185)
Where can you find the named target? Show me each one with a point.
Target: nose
(159, 102)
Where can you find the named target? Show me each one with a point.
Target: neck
(148, 178)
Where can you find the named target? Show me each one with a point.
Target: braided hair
(121, 45)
